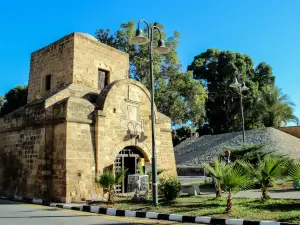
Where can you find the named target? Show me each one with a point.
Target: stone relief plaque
(132, 112)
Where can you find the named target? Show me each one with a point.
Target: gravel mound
(196, 151)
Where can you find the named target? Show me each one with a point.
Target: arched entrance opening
(127, 159)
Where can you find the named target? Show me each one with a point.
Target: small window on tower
(103, 78)
(48, 83)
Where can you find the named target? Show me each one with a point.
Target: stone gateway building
(83, 115)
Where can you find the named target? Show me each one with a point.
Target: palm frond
(213, 171)
(140, 168)
(120, 176)
(160, 171)
(234, 178)
(107, 179)
(294, 171)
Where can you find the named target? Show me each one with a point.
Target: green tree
(108, 181)
(275, 108)
(13, 99)
(181, 134)
(177, 94)
(216, 172)
(234, 179)
(265, 171)
(217, 69)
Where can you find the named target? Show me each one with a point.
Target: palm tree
(216, 172)
(234, 178)
(294, 171)
(267, 169)
(108, 180)
(275, 107)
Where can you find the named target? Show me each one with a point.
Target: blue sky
(267, 30)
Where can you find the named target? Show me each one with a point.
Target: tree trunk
(265, 195)
(110, 195)
(218, 191)
(229, 203)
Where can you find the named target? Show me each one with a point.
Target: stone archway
(127, 159)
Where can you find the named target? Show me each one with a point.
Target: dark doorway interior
(130, 165)
(126, 159)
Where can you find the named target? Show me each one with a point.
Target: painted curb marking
(149, 215)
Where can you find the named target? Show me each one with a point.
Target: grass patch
(252, 209)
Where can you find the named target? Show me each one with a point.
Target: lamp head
(161, 48)
(235, 84)
(139, 38)
(244, 87)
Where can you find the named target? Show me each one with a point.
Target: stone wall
(52, 147)
(55, 60)
(295, 131)
(58, 144)
(91, 55)
(58, 163)
(80, 150)
(76, 59)
(166, 158)
(22, 157)
(125, 109)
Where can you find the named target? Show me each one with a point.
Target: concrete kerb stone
(149, 215)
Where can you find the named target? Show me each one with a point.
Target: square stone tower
(77, 58)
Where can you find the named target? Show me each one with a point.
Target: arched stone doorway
(127, 159)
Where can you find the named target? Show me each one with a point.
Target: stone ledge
(166, 130)
(100, 113)
(77, 120)
(40, 123)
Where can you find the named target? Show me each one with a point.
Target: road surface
(12, 213)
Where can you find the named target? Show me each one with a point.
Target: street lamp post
(140, 39)
(240, 88)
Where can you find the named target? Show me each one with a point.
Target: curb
(149, 215)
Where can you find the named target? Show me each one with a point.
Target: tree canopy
(275, 108)
(177, 94)
(217, 69)
(13, 99)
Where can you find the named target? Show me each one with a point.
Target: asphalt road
(12, 213)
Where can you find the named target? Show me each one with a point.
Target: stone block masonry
(74, 126)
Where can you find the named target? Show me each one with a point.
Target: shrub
(108, 180)
(170, 188)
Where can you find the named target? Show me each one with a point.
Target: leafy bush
(170, 188)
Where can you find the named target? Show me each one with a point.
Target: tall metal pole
(154, 162)
(242, 114)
